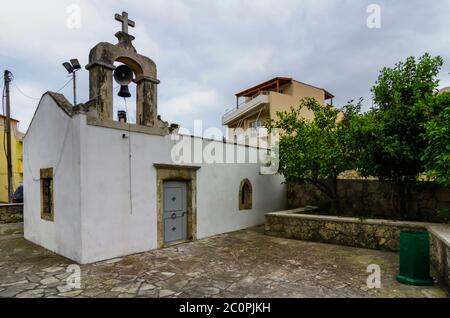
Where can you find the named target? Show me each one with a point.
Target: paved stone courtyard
(240, 264)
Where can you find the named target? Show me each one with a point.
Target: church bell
(124, 91)
(123, 76)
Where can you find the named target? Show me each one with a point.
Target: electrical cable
(59, 90)
(36, 98)
(24, 94)
(129, 160)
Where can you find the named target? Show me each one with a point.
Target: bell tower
(101, 66)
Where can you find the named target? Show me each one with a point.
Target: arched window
(245, 195)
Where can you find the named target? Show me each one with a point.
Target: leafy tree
(315, 151)
(393, 138)
(437, 154)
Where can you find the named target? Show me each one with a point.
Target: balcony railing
(251, 104)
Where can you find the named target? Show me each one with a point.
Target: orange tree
(437, 154)
(393, 135)
(316, 151)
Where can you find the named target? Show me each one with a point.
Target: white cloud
(208, 50)
(189, 104)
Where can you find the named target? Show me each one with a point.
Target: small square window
(47, 194)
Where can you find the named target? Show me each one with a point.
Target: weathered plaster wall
(105, 194)
(52, 140)
(116, 222)
(373, 199)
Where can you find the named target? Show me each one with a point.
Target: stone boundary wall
(369, 233)
(373, 198)
(11, 213)
(440, 251)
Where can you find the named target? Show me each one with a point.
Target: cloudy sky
(207, 50)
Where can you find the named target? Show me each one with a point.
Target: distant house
(258, 103)
(16, 150)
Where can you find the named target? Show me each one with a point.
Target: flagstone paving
(240, 264)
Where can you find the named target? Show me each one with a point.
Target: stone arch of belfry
(101, 66)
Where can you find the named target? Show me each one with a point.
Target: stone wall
(11, 213)
(372, 198)
(370, 233)
(373, 234)
(440, 251)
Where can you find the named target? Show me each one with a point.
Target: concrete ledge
(297, 213)
(126, 127)
(364, 233)
(440, 251)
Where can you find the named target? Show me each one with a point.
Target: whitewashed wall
(96, 217)
(111, 228)
(52, 140)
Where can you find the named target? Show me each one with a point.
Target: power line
(24, 94)
(70, 80)
(36, 98)
(129, 160)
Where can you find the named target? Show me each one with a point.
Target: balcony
(255, 103)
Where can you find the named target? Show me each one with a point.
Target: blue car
(18, 195)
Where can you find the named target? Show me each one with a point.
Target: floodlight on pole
(72, 68)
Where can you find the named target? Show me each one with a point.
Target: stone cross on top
(124, 20)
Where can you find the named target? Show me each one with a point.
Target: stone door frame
(188, 174)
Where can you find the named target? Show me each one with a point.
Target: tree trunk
(400, 197)
(336, 204)
(330, 189)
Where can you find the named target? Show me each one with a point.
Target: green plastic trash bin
(415, 258)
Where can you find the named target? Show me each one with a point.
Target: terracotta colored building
(258, 103)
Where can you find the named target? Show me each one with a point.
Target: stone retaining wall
(11, 213)
(369, 233)
(440, 251)
(372, 198)
(373, 234)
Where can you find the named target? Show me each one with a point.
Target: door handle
(173, 216)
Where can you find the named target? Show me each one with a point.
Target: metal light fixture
(75, 64)
(72, 68)
(68, 67)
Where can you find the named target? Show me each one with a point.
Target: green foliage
(437, 154)
(405, 134)
(395, 127)
(315, 151)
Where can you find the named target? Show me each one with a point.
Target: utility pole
(74, 89)
(7, 78)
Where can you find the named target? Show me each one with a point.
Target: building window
(47, 194)
(245, 195)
